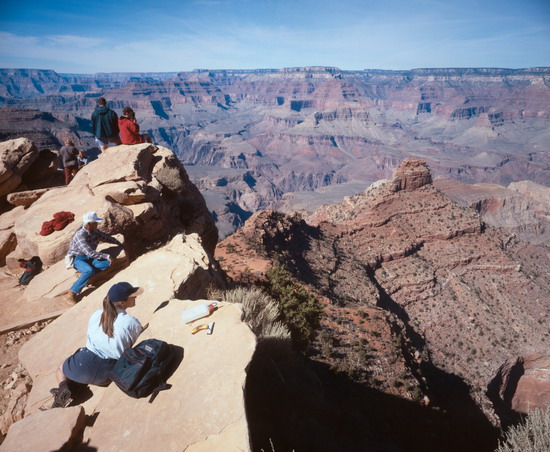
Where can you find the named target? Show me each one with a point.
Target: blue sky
(170, 35)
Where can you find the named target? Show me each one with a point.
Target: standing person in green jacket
(105, 125)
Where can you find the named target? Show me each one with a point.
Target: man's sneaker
(62, 398)
(71, 297)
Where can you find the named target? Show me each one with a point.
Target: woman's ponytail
(108, 317)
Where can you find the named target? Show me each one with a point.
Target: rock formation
(410, 175)
(522, 208)
(142, 192)
(148, 203)
(59, 430)
(16, 157)
(302, 129)
(205, 405)
(454, 298)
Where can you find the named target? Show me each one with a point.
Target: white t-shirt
(126, 329)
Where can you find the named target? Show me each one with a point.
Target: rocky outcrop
(456, 298)
(533, 387)
(56, 429)
(8, 241)
(204, 407)
(26, 198)
(16, 157)
(522, 209)
(522, 385)
(143, 193)
(410, 175)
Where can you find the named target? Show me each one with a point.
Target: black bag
(143, 369)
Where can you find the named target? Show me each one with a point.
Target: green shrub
(300, 310)
(533, 435)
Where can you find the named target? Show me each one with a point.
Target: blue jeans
(87, 267)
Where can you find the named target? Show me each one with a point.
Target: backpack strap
(161, 387)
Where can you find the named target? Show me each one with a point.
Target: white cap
(91, 217)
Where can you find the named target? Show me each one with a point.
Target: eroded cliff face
(305, 129)
(422, 298)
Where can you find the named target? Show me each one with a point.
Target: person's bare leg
(59, 375)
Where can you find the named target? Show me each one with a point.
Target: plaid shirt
(85, 242)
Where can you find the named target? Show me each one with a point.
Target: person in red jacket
(129, 128)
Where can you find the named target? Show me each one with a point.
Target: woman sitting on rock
(110, 331)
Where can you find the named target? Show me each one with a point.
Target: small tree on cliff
(300, 310)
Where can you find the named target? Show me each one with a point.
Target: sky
(180, 35)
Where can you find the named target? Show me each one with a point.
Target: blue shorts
(86, 367)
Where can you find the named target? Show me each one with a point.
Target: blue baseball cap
(122, 290)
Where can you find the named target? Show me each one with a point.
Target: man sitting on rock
(105, 125)
(88, 261)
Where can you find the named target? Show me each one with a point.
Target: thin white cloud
(81, 42)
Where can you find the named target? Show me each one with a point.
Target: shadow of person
(79, 392)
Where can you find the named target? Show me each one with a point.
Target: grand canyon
(301, 137)
(414, 206)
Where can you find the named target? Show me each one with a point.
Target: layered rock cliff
(299, 129)
(422, 298)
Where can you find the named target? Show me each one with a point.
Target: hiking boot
(71, 297)
(62, 397)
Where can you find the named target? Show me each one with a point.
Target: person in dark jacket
(69, 155)
(129, 128)
(105, 125)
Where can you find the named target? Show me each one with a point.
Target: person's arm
(104, 237)
(94, 122)
(114, 122)
(133, 331)
(84, 247)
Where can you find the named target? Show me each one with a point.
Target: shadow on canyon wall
(297, 404)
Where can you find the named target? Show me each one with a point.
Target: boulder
(56, 429)
(533, 387)
(45, 168)
(182, 266)
(16, 156)
(122, 188)
(7, 245)
(522, 384)
(27, 197)
(410, 175)
(204, 408)
(7, 219)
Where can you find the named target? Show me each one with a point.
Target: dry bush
(260, 311)
(170, 178)
(533, 435)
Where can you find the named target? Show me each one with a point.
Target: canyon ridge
(293, 137)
